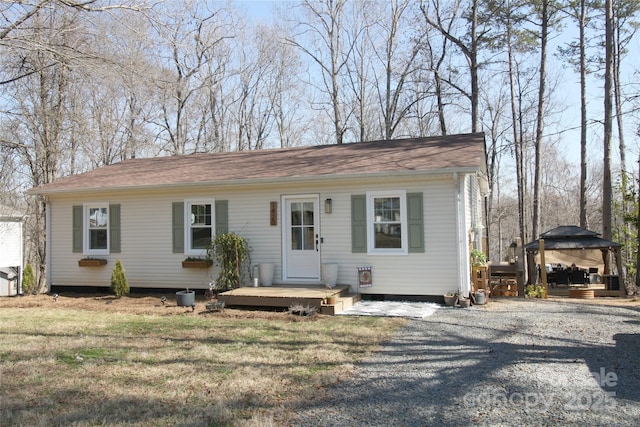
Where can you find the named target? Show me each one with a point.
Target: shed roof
(462, 153)
(571, 237)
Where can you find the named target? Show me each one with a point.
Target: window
(96, 229)
(199, 225)
(387, 222)
(302, 226)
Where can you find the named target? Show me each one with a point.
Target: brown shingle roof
(444, 153)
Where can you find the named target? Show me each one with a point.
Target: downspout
(456, 183)
(47, 241)
(461, 236)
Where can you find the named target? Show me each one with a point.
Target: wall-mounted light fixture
(328, 206)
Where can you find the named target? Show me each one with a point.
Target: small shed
(11, 250)
(584, 249)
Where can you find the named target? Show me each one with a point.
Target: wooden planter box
(98, 262)
(203, 263)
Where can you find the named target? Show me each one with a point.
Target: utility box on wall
(11, 251)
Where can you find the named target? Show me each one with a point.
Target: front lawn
(62, 363)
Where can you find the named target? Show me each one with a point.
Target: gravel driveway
(513, 362)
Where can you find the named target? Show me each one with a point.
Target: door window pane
(296, 213)
(308, 213)
(296, 238)
(309, 238)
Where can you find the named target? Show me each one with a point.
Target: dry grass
(100, 361)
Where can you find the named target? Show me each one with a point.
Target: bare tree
(186, 34)
(468, 43)
(320, 36)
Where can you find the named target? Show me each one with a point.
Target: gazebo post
(617, 253)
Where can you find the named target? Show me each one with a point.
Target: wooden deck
(284, 296)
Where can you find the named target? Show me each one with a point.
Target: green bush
(119, 284)
(233, 256)
(534, 291)
(28, 280)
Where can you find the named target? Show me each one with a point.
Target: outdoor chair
(562, 277)
(578, 277)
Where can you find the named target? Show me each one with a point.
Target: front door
(300, 238)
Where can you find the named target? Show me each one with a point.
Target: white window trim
(371, 249)
(85, 229)
(187, 225)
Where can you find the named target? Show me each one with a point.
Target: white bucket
(265, 273)
(330, 274)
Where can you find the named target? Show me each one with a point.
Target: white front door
(300, 239)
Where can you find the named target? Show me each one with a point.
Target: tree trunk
(608, 119)
(583, 116)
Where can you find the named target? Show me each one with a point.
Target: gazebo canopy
(567, 237)
(572, 245)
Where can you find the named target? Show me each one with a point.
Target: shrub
(534, 291)
(28, 280)
(233, 255)
(119, 284)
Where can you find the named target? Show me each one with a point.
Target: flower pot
(94, 262)
(464, 302)
(329, 274)
(331, 300)
(450, 300)
(185, 298)
(265, 274)
(200, 263)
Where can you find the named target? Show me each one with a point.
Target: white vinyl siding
(147, 250)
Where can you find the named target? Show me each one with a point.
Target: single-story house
(11, 250)
(402, 211)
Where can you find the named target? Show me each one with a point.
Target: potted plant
(478, 258)
(450, 299)
(464, 302)
(92, 262)
(196, 262)
(233, 256)
(331, 299)
(186, 298)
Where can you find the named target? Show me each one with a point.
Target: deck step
(342, 303)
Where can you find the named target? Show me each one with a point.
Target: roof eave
(260, 182)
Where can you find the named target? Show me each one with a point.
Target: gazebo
(582, 249)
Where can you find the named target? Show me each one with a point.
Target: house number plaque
(273, 213)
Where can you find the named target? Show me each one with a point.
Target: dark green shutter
(358, 223)
(222, 216)
(77, 229)
(177, 225)
(114, 229)
(415, 222)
